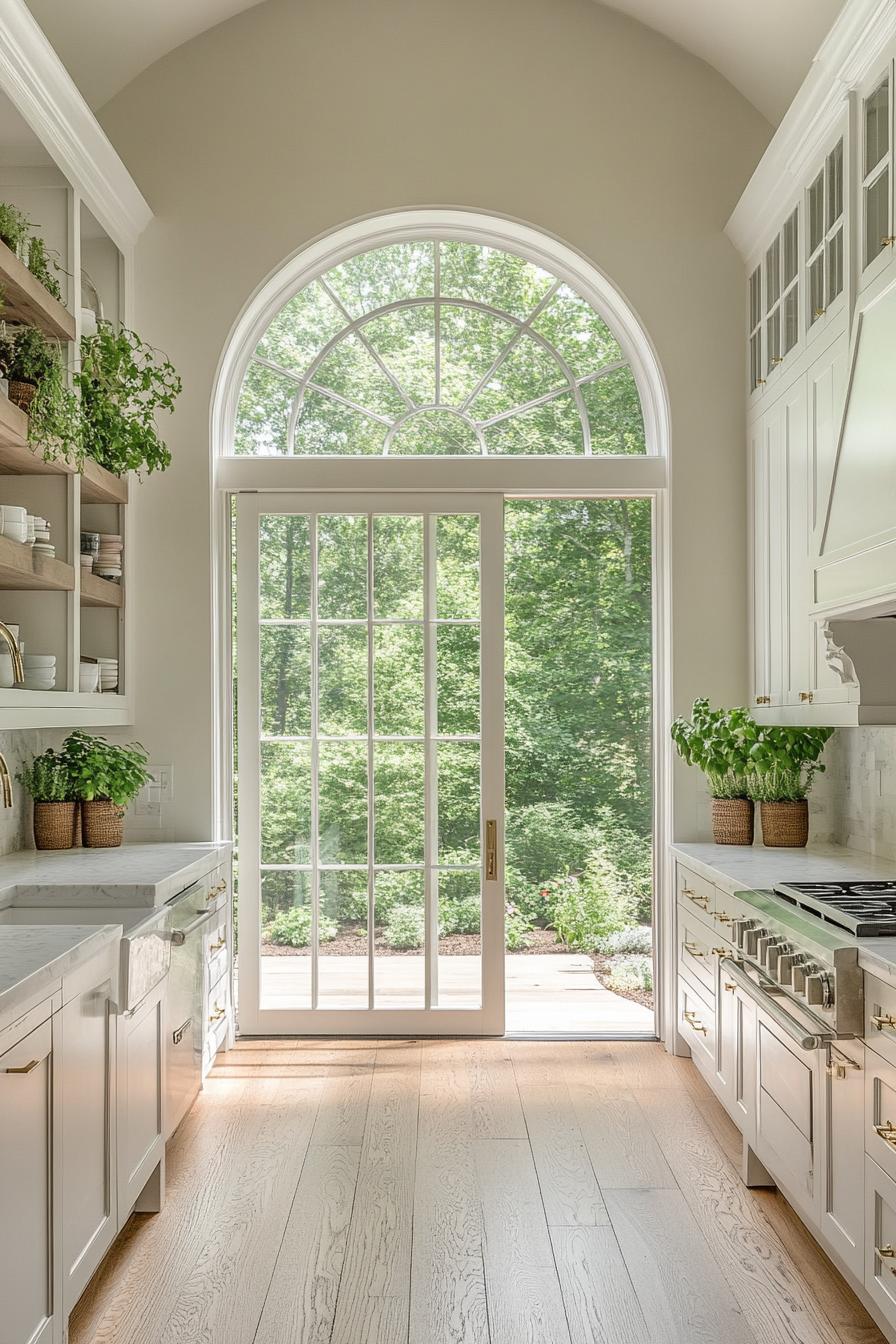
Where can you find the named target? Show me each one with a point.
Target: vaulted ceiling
(763, 47)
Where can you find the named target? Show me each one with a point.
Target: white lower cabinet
(29, 1178)
(86, 1029)
(880, 1238)
(141, 1098)
(843, 1107)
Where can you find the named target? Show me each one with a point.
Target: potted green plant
(783, 765)
(105, 777)
(55, 810)
(719, 742)
(13, 227)
(123, 384)
(33, 365)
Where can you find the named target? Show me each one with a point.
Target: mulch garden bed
(351, 941)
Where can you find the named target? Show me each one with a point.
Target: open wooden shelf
(20, 458)
(26, 300)
(21, 570)
(97, 592)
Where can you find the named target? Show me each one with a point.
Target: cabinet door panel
(141, 1058)
(27, 1153)
(89, 1205)
(843, 1206)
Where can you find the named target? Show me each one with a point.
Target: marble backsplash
(15, 822)
(854, 802)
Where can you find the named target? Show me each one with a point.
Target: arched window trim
(332, 249)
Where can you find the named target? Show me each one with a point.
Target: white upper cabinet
(817, 230)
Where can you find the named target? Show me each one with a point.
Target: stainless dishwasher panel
(190, 915)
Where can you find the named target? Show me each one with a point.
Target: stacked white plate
(108, 673)
(42, 545)
(14, 522)
(40, 671)
(89, 677)
(107, 561)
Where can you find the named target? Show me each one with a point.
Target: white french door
(370, 762)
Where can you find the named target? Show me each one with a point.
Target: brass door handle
(26, 1068)
(693, 1022)
(884, 1020)
(491, 851)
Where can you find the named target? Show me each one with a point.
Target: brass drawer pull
(722, 918)
(885, 1252)
(887, 1132)
(730, 987)
(216, 891)
(26, 1068)
(693, 896)
(216, 947)
(763, 699)
(693, 949)
(884, 1020)
(693, 1022)
(217, 1015)
(806, 697)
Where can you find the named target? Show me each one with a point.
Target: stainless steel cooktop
(866, 909)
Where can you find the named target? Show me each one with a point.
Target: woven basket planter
(103, 824)
(22, 394)
(732, 821)
(785, 825)
(55, 825)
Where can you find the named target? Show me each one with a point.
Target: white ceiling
(763, 47)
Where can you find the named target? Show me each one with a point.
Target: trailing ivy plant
(54, 417)
(719, 742)
(39, 263)
(100, 770)
(784, 762)
(123, 383)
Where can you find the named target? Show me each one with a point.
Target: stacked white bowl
(42, 544)
(107, 561)
(89, 677)
(40, 671)
(108, 673)
(14, 522)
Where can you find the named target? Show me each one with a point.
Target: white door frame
(488, 1019)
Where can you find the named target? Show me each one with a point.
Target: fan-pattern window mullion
(438, 348)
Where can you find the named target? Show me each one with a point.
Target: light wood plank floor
(458, 1192)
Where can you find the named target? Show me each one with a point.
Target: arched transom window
(438, 347)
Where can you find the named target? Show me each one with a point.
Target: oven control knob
(752, 938)
(740, 927)
(786, 962)
(820, 989)
(775, 955)
(764, 942)
(801, 970)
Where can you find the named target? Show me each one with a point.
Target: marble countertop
(745, 867)
(130, 875)
(35, 957)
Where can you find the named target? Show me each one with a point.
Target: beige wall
(296, 117)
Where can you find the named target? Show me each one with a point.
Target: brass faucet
(18, 669)
(5, 781)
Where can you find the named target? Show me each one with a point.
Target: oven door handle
(180, 936)
(793, 1029)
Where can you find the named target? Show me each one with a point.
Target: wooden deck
(550, 992)
(458, 1192)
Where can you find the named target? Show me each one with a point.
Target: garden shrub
(631, 973)
(544, 840)
(517, 929)
(636, 938)
(405, 927)
(459, 915)
(292, 928)
(594, 905)
(395, 889)
(351, 905)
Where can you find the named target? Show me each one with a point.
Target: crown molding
(844, 60)
(38, 84)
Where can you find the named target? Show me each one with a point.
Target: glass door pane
(364, 657)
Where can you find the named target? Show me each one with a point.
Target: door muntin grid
(370, 740)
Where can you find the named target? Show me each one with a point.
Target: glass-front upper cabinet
(755, 305)
(877, 176)
(782, 294)
(824, 238)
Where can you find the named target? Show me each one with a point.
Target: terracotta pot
(102, 824)
(732, 821)
(55, 825)
(785, 825)
(22, 394)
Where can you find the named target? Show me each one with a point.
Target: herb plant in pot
(105, 777)
(719, 742)
(783, 764)
(37, 386)
(55, 811)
